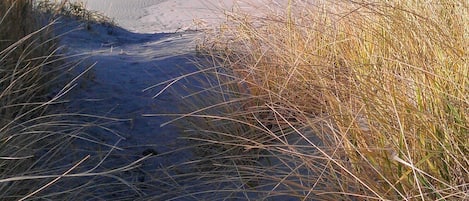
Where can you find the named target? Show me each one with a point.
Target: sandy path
(126, 63)
(128, 60)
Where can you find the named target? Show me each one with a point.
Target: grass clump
(26, 56)
(76, 10)
(40, 157)
(337, 100)
(26, 60)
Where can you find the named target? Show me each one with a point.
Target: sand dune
(156, 16)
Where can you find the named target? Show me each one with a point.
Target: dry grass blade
(40, 141)
(54, 180)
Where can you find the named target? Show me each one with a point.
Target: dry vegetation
(76, 10)
(38, 157)
(335, 100)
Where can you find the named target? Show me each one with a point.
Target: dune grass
(334, 100)
(76, 10)
(40, 157)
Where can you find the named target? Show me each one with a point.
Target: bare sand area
(156, 16)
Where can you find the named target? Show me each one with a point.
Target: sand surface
(127, 60)
(124, 64)
(152, 16)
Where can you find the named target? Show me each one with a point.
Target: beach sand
(156, 16)
(138, 54)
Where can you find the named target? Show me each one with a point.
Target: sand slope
(152, 16)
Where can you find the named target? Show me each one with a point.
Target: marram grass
(336, 100)
(40, 158)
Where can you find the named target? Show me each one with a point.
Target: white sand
(152, 16)
(125, 12)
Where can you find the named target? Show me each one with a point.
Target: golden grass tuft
(383, 85)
